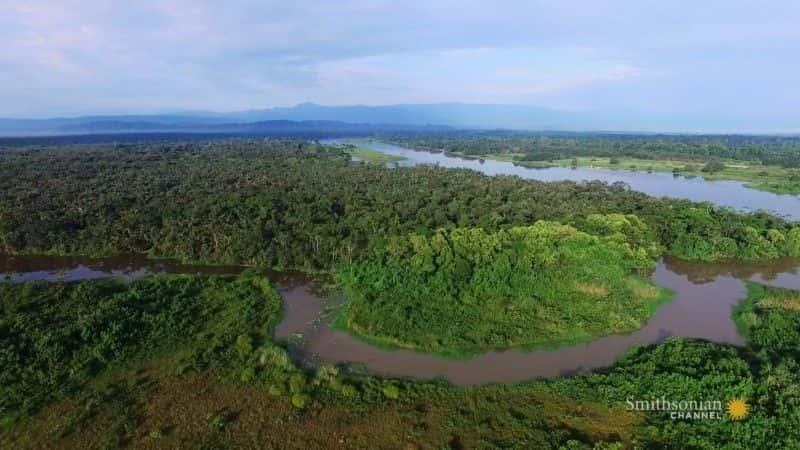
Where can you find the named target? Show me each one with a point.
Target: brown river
(705, 294)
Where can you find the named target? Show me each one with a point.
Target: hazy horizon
(716, 59)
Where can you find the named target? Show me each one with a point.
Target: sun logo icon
(737, 409)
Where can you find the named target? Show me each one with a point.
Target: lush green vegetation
(464, 290)
(766, 163)
(285, 203)
(198, 370)
(57, 337)
(189, 361)
(770, 319)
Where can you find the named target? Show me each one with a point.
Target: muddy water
(704, 296)
(698, 311)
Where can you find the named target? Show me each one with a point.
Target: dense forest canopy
(294, 203)
(540, 285)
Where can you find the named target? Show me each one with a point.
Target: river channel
(732, 194)
(705, 294)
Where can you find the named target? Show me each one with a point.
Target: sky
(711, 57)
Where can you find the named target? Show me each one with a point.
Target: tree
(713, 167)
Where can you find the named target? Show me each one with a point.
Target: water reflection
(19, 269)
(782, 272)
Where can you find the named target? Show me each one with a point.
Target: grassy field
(373, 156)
(779, 180)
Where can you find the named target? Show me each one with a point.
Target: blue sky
(685, 57)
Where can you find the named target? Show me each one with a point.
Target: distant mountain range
(307, 117)
(200, 125)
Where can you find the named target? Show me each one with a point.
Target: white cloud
(76, 56)
(484, 75)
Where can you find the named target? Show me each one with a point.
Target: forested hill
(294, 203)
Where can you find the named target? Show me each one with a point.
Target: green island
(439, 260)
(766, 163)
(532, 286)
